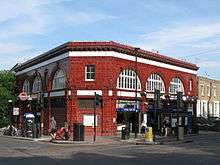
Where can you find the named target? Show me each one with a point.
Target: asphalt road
(204, 150)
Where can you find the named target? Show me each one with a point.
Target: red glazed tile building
(62, 82)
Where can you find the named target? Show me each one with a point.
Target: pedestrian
(66, 129)
(53, 128)
(143, 127)
(167, 125)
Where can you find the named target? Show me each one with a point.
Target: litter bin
(124, 133)
(148, 136)
(180, 133)
(78, 134)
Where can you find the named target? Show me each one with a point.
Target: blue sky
(188, 30)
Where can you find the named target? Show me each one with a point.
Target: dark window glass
(58, 102)
(87, 104)
(45, 103)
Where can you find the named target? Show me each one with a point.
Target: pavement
(114, 139)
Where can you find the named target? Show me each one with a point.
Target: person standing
(167, 126)
(53, 127)
(66, 129)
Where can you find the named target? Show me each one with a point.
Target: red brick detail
(107, 72)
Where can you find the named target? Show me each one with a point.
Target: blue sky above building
(187, 30)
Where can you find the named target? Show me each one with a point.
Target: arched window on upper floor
(37, 85)
(59, 80)
(26, 87)
(127, 80)
(154, 81)
(176, 85)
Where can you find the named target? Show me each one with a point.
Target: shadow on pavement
(103, 159)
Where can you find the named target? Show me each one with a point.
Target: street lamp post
(30, 103)
(10, 111)
(136, 86)
(157, 107)
(179, 107)
(209, 99)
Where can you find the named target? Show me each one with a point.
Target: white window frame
(204, 108)
(59, 80)
(198, 108)
(176, 85)
(202, 90)
(127, 80)
(208, 90)
(26, 86)
(214, 91)
(37, 85)
(216, 108)
(155, 81)
(90, 72)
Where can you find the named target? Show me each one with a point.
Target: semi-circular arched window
(155, 82)
(59, 80)
(176, 85)
(26, 86)
(127, 80)
(37, 85)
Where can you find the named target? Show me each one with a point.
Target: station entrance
(127, 114)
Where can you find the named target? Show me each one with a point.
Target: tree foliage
(7, 92)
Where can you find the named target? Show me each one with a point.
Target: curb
(178, 142)
(164, 143)
(131, 141)
(25, 138)
(72, 142)
(85, 142)
(149, 143)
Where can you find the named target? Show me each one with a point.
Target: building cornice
(104, 46)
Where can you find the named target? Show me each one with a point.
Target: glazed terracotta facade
(109, 59)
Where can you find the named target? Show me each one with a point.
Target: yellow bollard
(148, 136)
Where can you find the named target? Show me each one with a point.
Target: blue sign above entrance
(127, 106)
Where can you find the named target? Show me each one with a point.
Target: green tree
(7, 92)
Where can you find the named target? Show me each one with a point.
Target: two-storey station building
(64, 80)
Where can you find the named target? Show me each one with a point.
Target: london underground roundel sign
(23, 96)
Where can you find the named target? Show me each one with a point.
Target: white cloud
(209, 64)
(9, 54)
(80, 18)
(26, 17)
(13, 48)
(191, 36)
(22, 19)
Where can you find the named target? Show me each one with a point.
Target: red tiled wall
(107, 71)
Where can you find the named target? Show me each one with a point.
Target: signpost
(15, 111)
(97, 102)
(156, 107)
(23, 96)
(179, 106)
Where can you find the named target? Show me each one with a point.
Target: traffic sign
(15, 111)
(23, 96)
